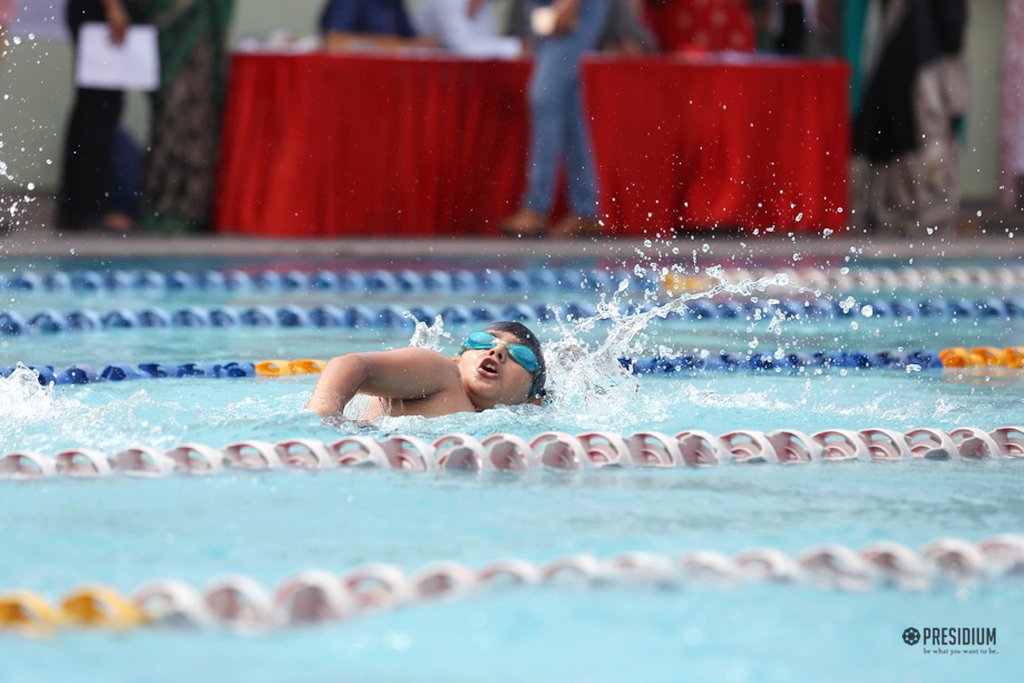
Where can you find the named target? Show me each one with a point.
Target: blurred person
(360, 24)
(905, 134)
(625, 32)
(466, 27)
(87, 175)
(1011, 111)
(801, 27)
(186, 112)
(559, 128)
(699, 26)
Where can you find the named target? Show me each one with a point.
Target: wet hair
(526, 337)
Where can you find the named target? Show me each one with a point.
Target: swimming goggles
(520, 353)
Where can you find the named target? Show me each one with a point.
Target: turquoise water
(60, 533)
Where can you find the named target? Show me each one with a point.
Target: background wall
(35, 88)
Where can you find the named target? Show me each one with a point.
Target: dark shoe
(525, 223)
(574, 225)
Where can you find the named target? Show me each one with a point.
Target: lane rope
(553, 450)
(499, 280)
(954, 357)
(392, 316)
(316, 596)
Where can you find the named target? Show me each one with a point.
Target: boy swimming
(500, 365)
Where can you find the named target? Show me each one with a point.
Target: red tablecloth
(322, 145)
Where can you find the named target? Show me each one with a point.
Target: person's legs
(89, 139)
(579, 161)
(548, 85)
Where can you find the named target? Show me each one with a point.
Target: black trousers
(88, 144)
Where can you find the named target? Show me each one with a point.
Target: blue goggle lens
(520, 353)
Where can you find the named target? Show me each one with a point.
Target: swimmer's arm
(400, 374)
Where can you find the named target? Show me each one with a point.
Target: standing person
(558, 124)
(186, 112)
(82, 201)
(905, 134)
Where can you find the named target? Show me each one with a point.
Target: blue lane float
(379, 281)
(390, 316)
(793, 362)
(460, 281)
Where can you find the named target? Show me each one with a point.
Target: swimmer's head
(502, 364)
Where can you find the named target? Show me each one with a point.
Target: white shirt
(448, 22)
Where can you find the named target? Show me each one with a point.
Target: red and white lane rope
(317, 596)
(549, 450)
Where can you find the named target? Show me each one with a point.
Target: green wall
(35, 92)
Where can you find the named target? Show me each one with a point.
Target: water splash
(587, 383)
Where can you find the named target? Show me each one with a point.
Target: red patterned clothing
(702, 25)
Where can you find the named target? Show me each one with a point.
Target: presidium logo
(953, 640)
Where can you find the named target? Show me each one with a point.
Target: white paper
(132, 65)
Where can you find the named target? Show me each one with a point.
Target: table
(323, 145)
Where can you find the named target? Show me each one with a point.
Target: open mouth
(488, 368)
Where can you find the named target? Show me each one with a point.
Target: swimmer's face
(490, 376)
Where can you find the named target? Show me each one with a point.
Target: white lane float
(559, 451)
(460, 452)
(956, 559)
(886, 444)
(378, 586)
(552, 450)
(408, 453)
(173, 603)
(252, 454)
(931, 444)
(508, 452)
(605, 449)
(1010, 441)
(710, 567)
(316, 596)
(768, 564)
(1005, 552)
(196, 459)
(841, 445)
(142, 461)
(975, 444)
(509, 572)
(442, 580)
(305, 454)
(836, 566)
(898, 565)
(358, 451)
(793, 446)
(640, 568)
(82, 462)
(746, 446)
(652, 449)
(580, 568)
(240, 603)
(311, 597)
(696, 448)
(27, 465)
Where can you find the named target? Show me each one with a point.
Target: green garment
(183, 23)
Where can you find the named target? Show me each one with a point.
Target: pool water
(60, 533)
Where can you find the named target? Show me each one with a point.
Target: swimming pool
(62, 532)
